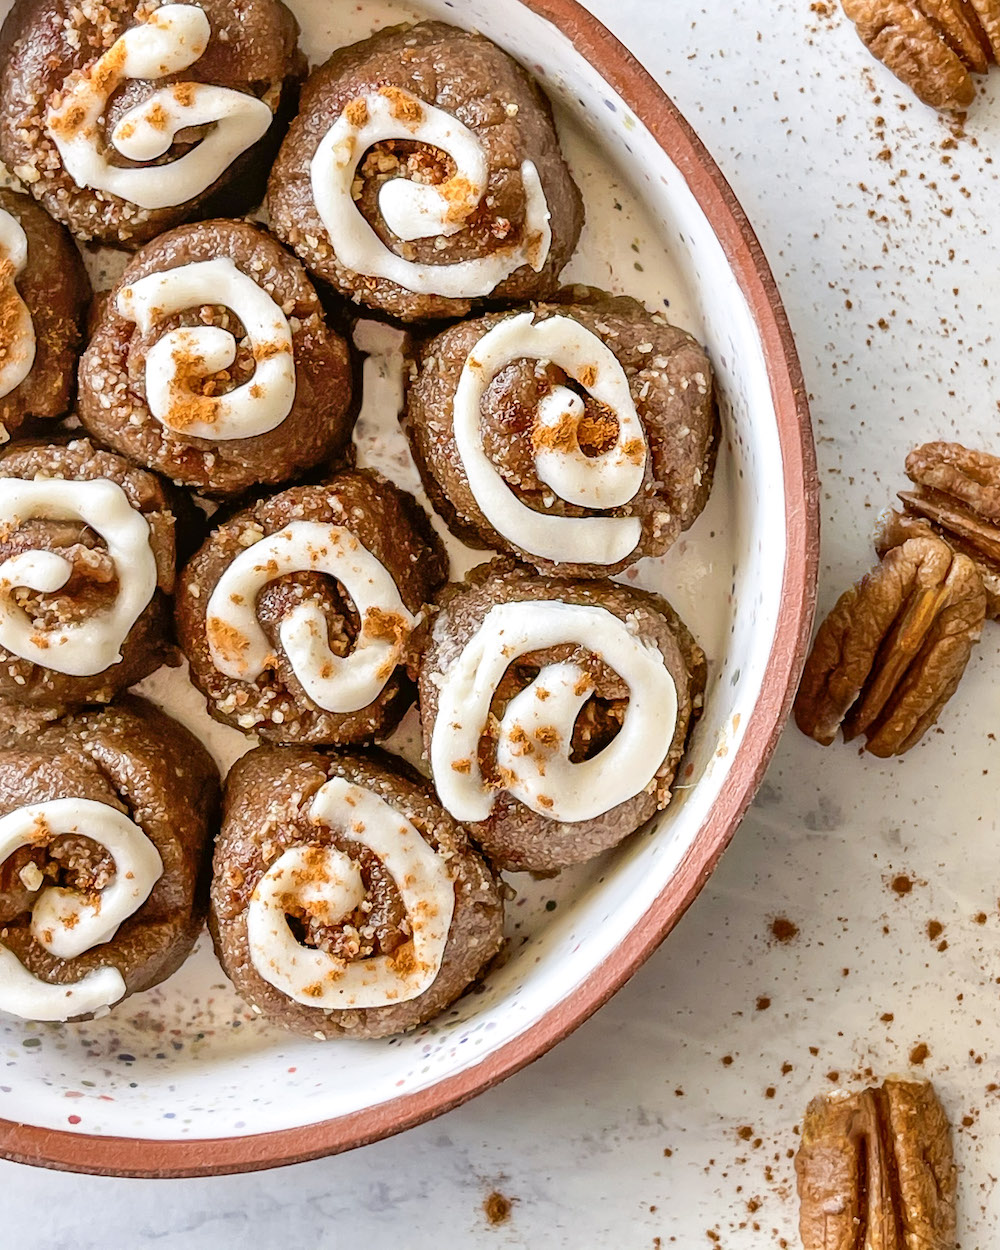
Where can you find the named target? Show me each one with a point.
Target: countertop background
(670, 1118)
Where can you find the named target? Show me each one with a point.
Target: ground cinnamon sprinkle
(596, 432)
(156, 117)
(902, 884)
(405, 107)
(783, 929)
(558, 437)
(226, 638)
(356, 113)
(461, 197)
(387, 626)
(9, 308)
(497, 1208)
(919, 1053)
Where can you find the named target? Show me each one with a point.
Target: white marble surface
(630, 1131)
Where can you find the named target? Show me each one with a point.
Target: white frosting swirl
(80, 648)
(17, 351)
(327, 884)
(240, 648)
(170, 40)
(534, 739)
(69, 922)
(607, 480)
(414, 210)
(181, 356)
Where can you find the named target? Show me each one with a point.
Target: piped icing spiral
(212, 362)
(44, 295)
(17, 351)
(298, 615)
(170, 40)
(69, 922)
(579, 436)
(597, 479)
(87, 554)
(555, 711)
(534, 737)
(344, 899)
(327, 885)
(241, 649)
(415, 210)
(83, 647)
(126, 118)
(178, 364)
(423, 174)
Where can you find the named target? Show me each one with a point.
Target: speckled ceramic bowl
(182, 1080)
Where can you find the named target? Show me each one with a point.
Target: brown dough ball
(140, 762)
(47, 46)
(55, 289)
(267, 803)
(113, 399)
(96, 579)
(473, 80)
(386, 522)
(515, 836)
(669, 378)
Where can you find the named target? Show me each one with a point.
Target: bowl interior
(186, 1060)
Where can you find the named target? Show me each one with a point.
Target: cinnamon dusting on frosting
(405, 107)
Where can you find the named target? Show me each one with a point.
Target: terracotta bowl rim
(121, 1156)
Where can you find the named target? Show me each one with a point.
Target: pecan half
(957, 498)
(931, 45)
(971, 477)
(890, 654)
(876, 1172)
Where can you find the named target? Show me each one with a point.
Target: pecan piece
(988, 13)
(931, 45)
(972, 477)
(957, 498)
(876, 1171)
(892, 651)
(902, 36)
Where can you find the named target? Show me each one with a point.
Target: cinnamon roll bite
(106, 821)
(345, 900)
(423, 175)
(212, 363)
(87, 562)
(128, 117)
(555, 711)
(298, 614)
(44, 295)
(579, 436)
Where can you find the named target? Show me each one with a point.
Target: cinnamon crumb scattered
(784, 930)
(497, 1207)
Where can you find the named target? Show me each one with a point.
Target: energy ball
(423, 176)
(345, 900)
(44, 296)
(106, 825)
(126, 118)
(555, 712)
(213, 364)
(579, 436)
(299, 615)
(88, 554)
